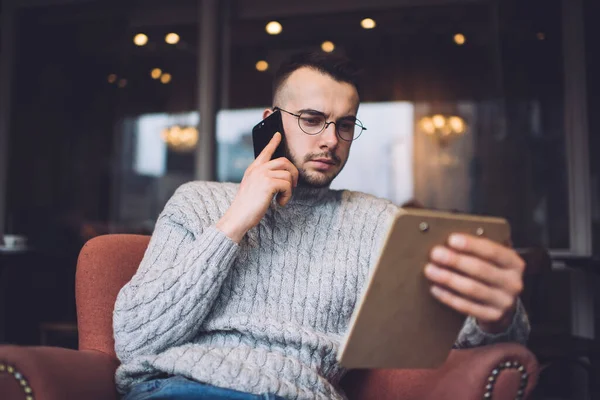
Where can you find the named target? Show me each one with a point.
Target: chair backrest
(105, 264)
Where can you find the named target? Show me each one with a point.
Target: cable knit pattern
(264, 316)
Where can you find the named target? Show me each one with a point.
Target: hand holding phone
(264, 131)
(265, 177)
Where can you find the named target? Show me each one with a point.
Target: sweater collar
(309, 196)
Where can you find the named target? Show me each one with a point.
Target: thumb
(283, 198)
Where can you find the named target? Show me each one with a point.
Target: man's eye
(346, 126)
(312, 121)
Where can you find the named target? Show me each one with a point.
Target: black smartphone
(264, 131)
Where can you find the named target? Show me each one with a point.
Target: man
(246, 290)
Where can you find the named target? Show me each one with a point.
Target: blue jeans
(178, 387)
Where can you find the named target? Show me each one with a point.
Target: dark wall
(593, 78)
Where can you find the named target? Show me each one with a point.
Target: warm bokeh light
(446, 130)
(122, 83)
(541, 36)
(427, 126)
(457, 124)
(273, 28)
(368, 23)
(172, 38)
(156, 73)
(112, 78)
(140, 39)
(181, 139)
(262, 66)
(327, 46)
(166, 78)
(443, 128)
(438, 121)
(460, 39)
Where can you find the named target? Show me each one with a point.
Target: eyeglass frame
(325, 125)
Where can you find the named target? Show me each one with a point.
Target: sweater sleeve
(175, 286)
(471, 335)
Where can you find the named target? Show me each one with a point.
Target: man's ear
(267, 112)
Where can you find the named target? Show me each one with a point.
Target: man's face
(319, 158)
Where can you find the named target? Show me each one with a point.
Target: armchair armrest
(465, 375)
(53, 373)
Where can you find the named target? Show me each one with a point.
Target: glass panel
(497, 68)
(234, 142)
(95, 86)
(156, 157)
(380, 160)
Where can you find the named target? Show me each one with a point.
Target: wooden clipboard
(397, 322)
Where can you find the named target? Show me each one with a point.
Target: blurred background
(480, 106)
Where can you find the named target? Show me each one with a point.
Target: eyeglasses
(313, 122)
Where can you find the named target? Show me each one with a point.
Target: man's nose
(329, 136)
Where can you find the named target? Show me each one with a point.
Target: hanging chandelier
(443, 128)
(181, 139)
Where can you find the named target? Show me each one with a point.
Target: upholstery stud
(20, 378)
(489, 388)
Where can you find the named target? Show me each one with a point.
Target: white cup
(14, 241)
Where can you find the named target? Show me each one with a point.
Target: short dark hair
(337, 66)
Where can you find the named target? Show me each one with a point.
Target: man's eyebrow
(315, 112)
(311, 111)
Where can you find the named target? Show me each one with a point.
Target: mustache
(329, 155)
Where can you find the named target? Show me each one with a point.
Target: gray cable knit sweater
(266, 315)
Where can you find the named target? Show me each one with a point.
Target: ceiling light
(140, 39)
(460, 39)
(368, 23)
(262, 66)
(328, 46)
(156, 73)
(165, 78)
(172, 38)
(273, 28)
(112, 78)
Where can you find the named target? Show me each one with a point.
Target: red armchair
(106, 263)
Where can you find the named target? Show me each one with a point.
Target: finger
(284, 191)
(266, 154)
(488, 250)
(285, 164)
(478, 269)
(468, 288)
(282, 175)
(483, 313)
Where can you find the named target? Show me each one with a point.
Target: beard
(314, 179)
